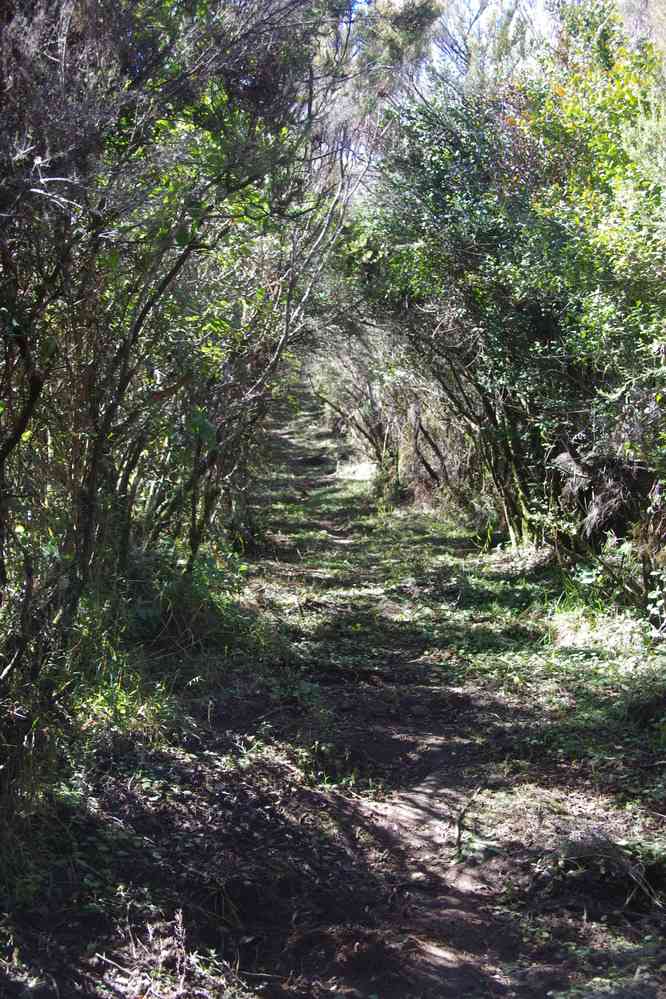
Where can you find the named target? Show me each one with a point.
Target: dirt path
(479, 818)
(479, 814)
(399, 788)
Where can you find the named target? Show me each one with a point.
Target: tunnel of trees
(443, 220)
(463, 227)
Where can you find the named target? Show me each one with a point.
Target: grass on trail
(410, 769)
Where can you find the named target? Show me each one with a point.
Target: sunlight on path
(391, 617)
(399, 769)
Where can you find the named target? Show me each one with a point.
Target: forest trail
(412, 792)
(381, 675)
(480, 798)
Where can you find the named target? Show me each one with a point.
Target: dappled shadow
(377, 635)
(334, 819)
(386, 625)
(182, 858)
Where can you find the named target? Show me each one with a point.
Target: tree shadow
(178, 865)
(182, 858)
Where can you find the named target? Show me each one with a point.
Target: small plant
(656, 602)
(486, 538)
(173, 594)
(635, 870)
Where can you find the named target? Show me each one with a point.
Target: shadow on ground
(361, 816)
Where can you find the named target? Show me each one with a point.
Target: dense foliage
(512, 248)
(170, 188)
(176, 236)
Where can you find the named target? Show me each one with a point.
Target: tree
(158, 251)
(481, 46)
(508, 245)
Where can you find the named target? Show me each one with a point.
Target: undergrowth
(137, 678)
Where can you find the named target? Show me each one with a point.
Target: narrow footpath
(400, 778)
(470, 768)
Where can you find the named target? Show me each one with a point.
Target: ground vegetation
(332, 525)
